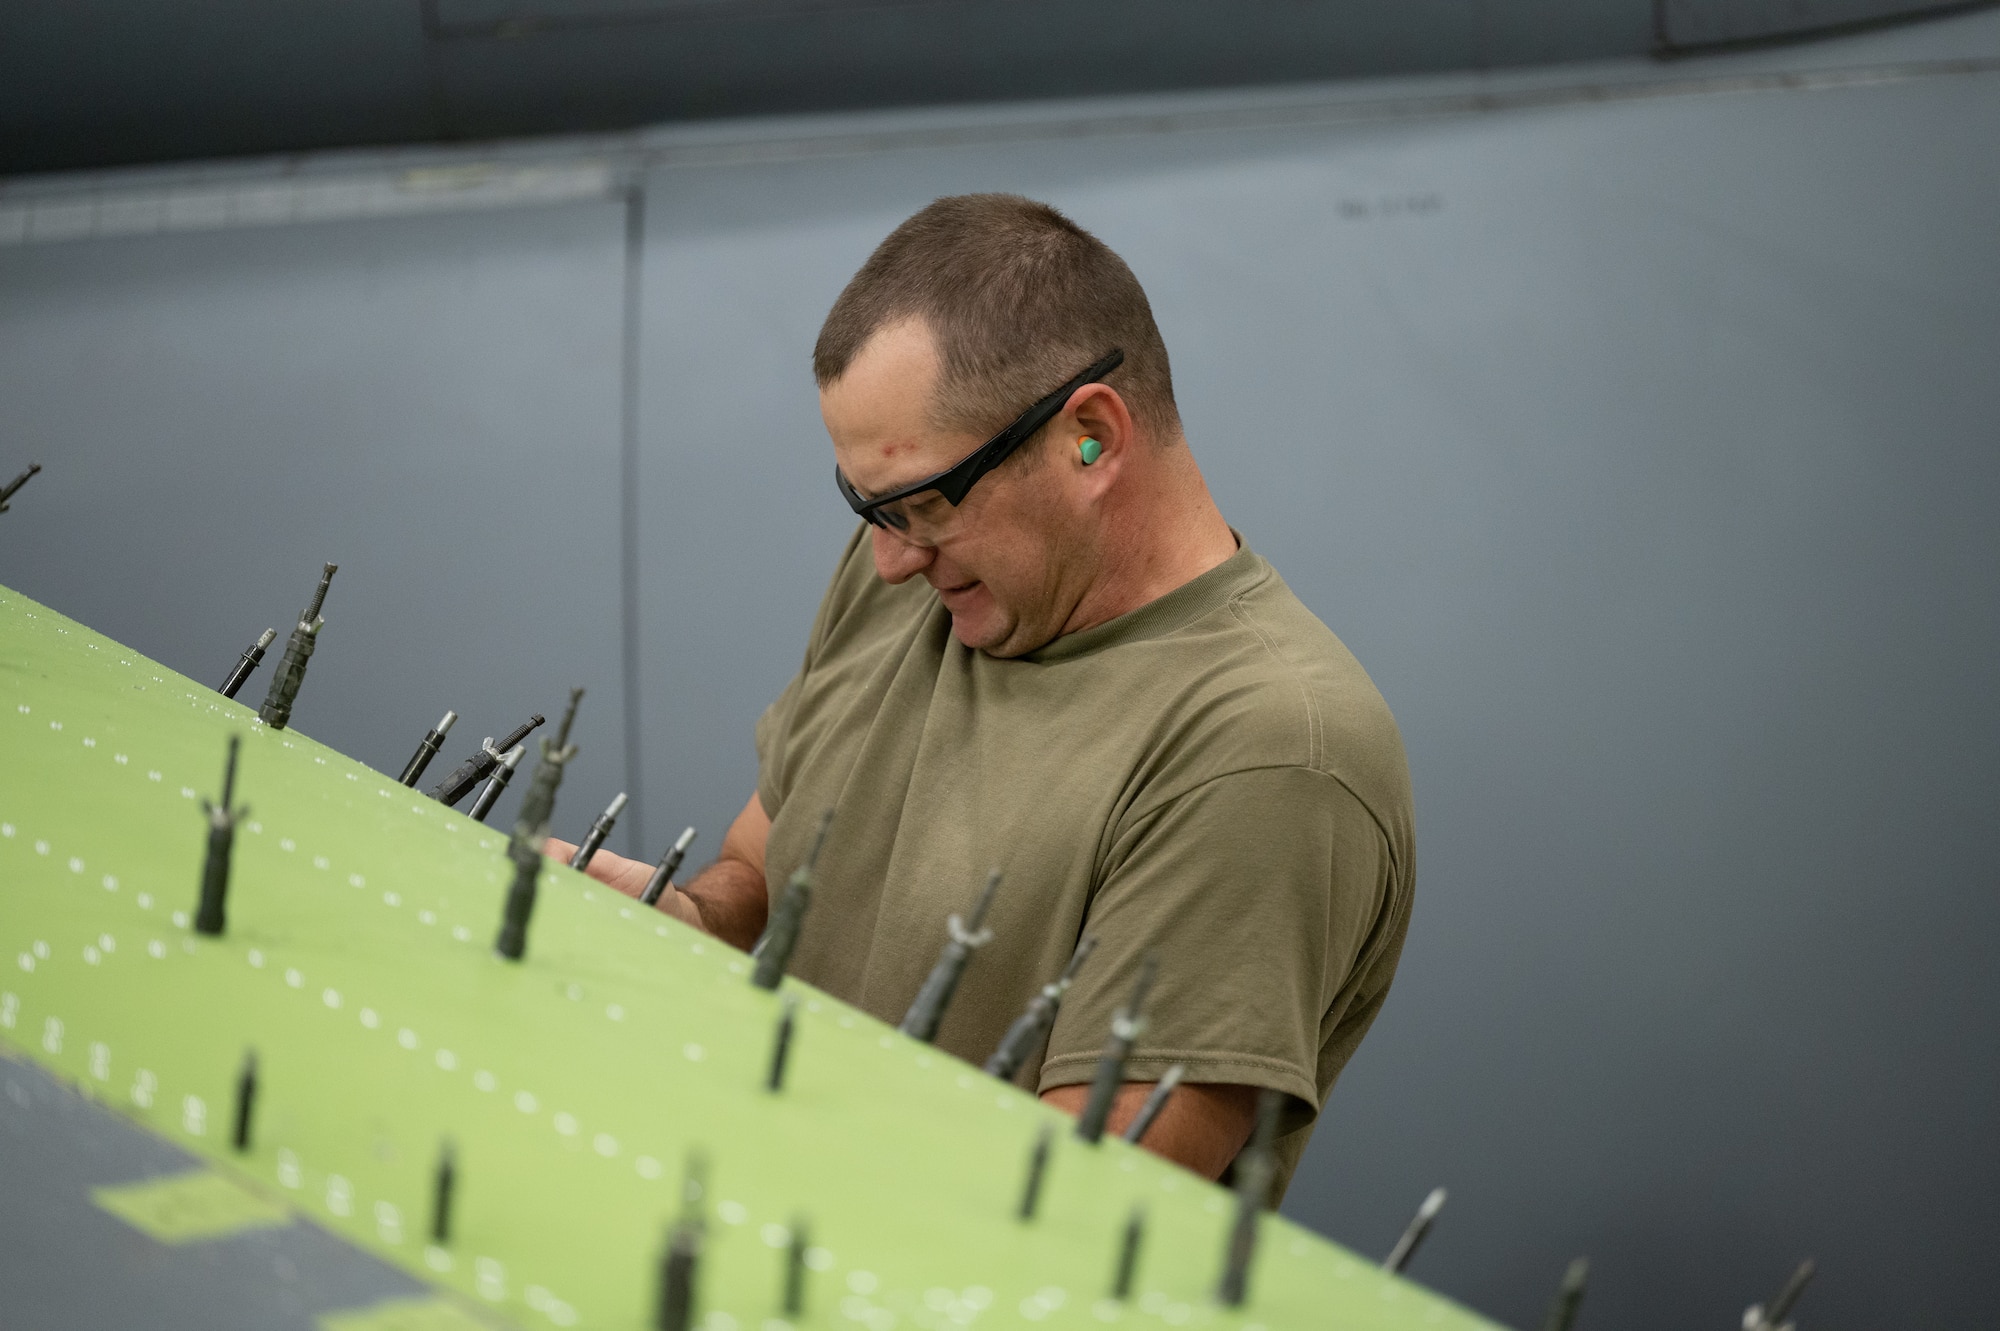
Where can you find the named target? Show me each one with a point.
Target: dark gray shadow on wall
(68, 1265)
(1683, 27)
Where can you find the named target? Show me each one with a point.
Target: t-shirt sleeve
(771, 729)
(1257, 891)
(774, 726)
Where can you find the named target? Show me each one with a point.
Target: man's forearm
(730, 899)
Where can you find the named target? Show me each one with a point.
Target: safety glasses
(954, 482)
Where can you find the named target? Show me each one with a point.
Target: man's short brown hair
(1019, 299)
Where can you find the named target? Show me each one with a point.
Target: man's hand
(726, 900)
(1202, 1128)
(627, 876)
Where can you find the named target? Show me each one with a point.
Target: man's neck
(1160, 536)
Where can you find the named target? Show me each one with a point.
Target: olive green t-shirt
(1212, 778)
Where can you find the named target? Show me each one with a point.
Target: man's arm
(1202, 1128)
(1260, 892)
(727, 899)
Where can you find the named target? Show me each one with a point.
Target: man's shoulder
(1272, 685)
(1297, 646)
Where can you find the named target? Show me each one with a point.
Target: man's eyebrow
(891, 489)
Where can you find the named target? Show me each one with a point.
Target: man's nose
(897, 559)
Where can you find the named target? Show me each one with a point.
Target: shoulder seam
(1315, 736)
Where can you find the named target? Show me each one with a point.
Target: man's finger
(615, 871)
(679, 905)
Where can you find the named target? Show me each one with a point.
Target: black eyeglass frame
(957, 480)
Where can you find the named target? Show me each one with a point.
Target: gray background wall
(1641, 446)
(87, 83)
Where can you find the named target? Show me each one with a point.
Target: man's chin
(982, 632)
(975, 631)
(1000, 641)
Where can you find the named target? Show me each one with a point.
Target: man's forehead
(898, 349)
(879, 411)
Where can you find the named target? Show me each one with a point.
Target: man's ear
(1101, 431)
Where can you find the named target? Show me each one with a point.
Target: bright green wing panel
(358, 963)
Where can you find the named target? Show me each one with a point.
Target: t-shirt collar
(1183, 605)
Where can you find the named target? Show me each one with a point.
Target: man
(1045, 651)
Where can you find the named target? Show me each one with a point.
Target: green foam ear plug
(1090, 449)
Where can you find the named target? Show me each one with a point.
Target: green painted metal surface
(358, 963)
